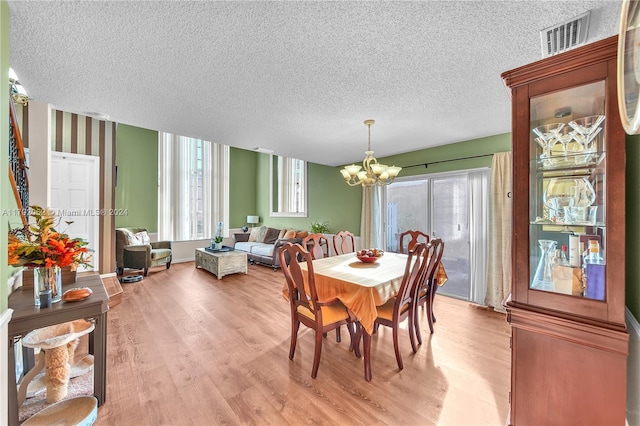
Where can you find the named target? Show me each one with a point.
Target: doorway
(75, 198)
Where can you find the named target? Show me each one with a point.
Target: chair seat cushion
(330, 313)
(386, 311)
(160, 253)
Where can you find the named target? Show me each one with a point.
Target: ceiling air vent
(565, 36)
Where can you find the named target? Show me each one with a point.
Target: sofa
(262, 244)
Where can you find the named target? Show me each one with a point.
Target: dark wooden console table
(27, 317)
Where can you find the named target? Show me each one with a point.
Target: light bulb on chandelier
(371, 172)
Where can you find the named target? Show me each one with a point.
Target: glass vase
(47, 286)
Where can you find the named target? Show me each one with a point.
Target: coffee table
(221, 263)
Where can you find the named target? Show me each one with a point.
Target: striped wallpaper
(80, 134)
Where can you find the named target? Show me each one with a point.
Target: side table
(27, 317)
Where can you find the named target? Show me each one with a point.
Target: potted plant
(216, 241)
(320, 227)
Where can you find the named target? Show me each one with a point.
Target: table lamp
(253, 220)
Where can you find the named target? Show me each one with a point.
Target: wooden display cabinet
(569, 340)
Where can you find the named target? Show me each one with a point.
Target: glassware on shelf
(547, 139)
(587, 129)
(543, 278)
(587, 125)
(580, 215)
(569, 195)
(565, 135)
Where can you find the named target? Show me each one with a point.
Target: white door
(74, 198)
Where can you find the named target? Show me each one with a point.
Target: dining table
(361, 287)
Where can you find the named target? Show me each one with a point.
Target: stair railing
(18, 165)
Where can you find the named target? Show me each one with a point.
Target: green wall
(242, 186)
(137, 178)
(471, 148)
(329, 199)
(137, 187)
(632, 223)
(5, 270)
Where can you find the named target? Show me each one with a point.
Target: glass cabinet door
(567, 232)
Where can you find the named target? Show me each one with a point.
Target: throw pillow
(282, 232)
(257, 234)
(140, 238)
(271, 235)
(302, 234)
(289, 234)
(253, 234)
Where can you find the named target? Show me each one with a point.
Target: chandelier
(371, 172)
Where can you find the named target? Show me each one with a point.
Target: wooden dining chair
(412, 237)
(317, 245)
(321, 316)
(426, 292)
(344, 242)
(401, 307)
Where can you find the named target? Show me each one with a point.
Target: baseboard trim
(189, 259)
(633, 370)
(632, 323)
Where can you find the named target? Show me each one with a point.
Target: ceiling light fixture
(373, 173)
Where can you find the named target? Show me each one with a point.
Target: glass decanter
(543, 278)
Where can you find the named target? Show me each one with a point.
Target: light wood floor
(185, 348)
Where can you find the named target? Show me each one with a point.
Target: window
(193, 188)
(288, 187)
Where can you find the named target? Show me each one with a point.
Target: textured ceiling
(295, 77)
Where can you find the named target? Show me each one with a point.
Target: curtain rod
(447, 161)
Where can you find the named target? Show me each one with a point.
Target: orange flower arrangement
(41, 245)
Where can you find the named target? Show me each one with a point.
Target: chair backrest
(413, 238)
(437, 249)
(414, 274)
(344, 242)
(317, 245)
(291, 256)
(123, 238)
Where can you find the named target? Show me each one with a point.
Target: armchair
(131, 253)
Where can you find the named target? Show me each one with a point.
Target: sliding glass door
(450, 206)
(450, 222)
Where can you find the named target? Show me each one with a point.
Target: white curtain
(371, 218)
(500, 230)
(478, 213)
(193, 188)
